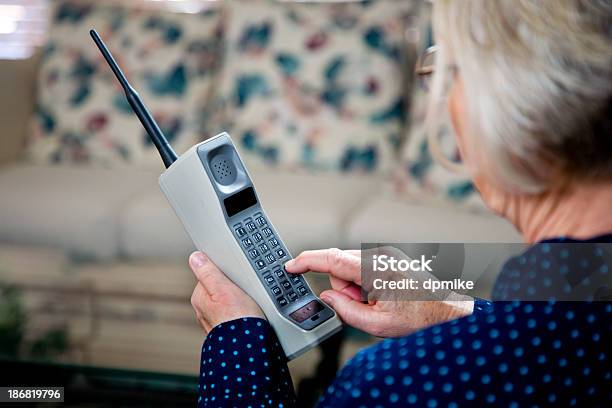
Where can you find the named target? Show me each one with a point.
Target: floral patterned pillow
(82, 115)
(315, 85)
(419, 176)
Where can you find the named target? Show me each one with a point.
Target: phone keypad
(267, 255)
(269, 280)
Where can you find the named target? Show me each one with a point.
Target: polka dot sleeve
(244, 365)
(508, 353)
(482, 306)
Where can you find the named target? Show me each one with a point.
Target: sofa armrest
(17, 99)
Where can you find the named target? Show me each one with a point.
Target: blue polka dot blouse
(507, 353)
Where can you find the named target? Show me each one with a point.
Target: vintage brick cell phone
(213, 195)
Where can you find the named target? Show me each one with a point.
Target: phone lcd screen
(240, 201)
(306, 311)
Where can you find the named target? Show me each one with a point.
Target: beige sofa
(100, 252)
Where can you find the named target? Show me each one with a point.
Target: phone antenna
(159, 140)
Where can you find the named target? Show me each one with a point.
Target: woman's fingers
(352, 312)
(340, 264)
(209, 276)
(216, 298)
(348, 288)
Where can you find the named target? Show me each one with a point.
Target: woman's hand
(380, 318)
(216, 299)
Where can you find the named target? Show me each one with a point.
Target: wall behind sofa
(17, 83)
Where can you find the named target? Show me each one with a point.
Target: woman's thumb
(352, 312)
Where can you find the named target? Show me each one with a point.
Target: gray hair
(537, 77)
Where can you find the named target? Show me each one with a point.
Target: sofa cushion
(309, 211)
(313, 84)
(393, 220)
(71, 207)
(82, 114)
(150, 229)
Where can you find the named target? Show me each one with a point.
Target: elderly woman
(529, 88)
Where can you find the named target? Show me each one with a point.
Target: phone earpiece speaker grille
(223, 169)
